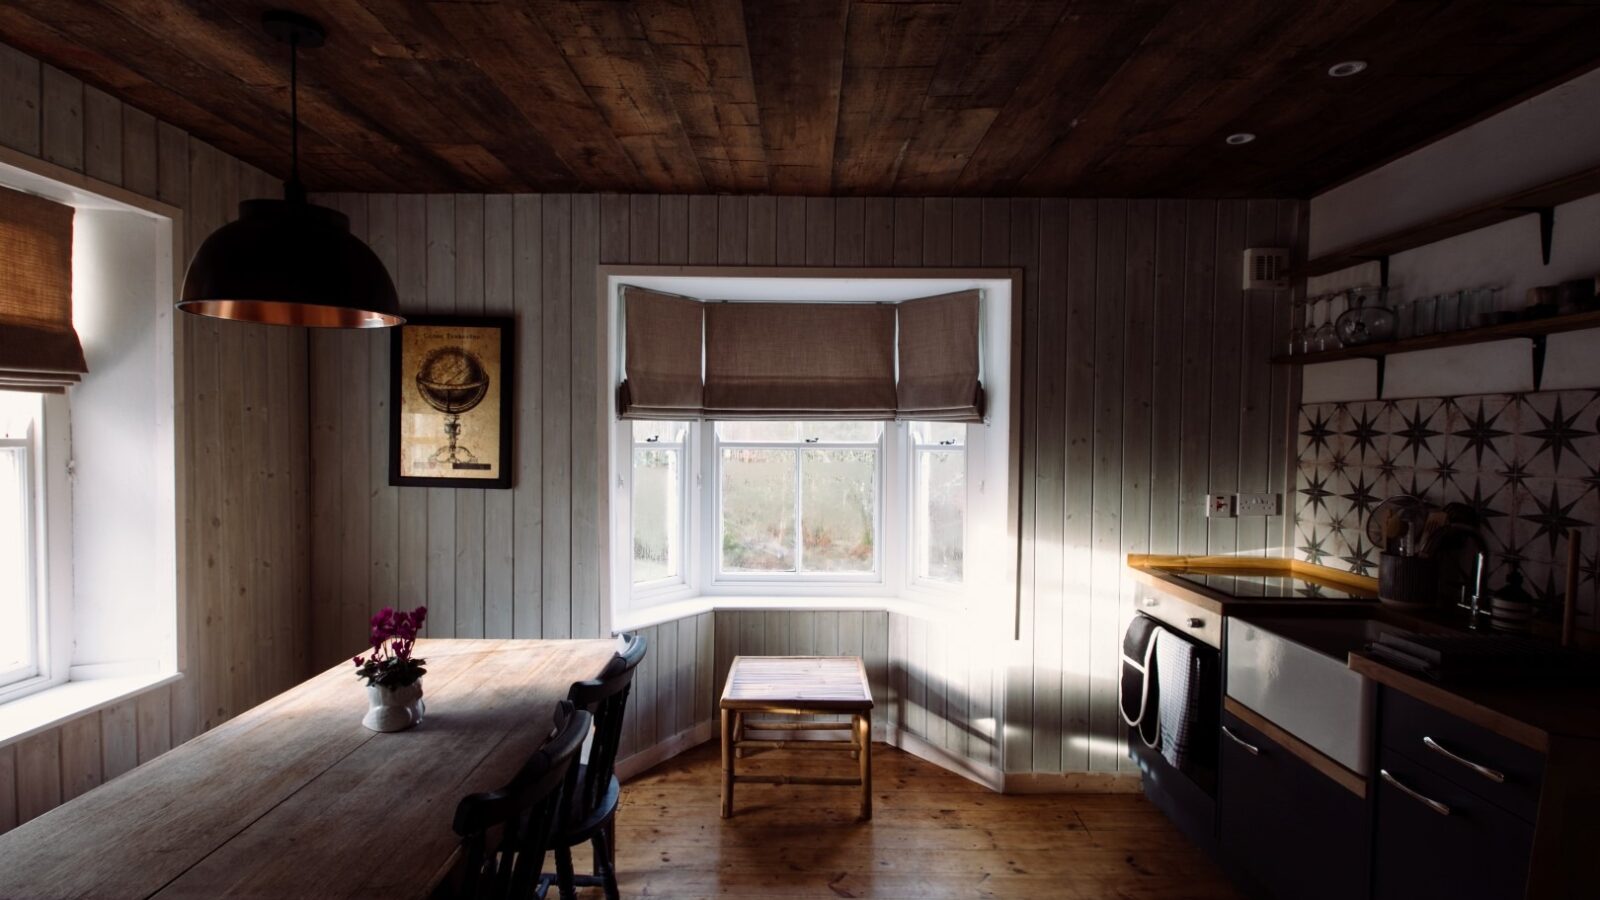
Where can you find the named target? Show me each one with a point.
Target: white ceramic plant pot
(394, 709)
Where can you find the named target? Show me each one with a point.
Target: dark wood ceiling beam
(704, 59)
(890, 53)
(990, 47)
(1192, 42)
(41, 40)
(1085, 50)
(797, 62)
(605, 44)
(523, 59)
(1208, 109)
(909, 97)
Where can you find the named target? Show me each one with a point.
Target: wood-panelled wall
(246, 562)
(1146, 387)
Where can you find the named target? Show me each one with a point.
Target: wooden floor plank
(933, 834)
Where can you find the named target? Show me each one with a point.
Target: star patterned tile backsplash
(1529, 464)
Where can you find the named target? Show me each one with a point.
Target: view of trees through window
(939, 499)
(17, 598)
(657, 500)
(799, 497)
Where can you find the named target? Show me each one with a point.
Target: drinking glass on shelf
(1448, 314)
(1297, 326)
(1333, 305)
(1405, 316)
(1426, 314)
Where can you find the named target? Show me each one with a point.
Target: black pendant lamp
(289, 262)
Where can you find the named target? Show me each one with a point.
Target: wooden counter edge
(1311, 756)
(1507, 726)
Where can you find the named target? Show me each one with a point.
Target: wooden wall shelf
(1540, 201)
(1534, 328)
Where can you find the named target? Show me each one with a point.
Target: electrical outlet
(1219, 506)
(1255, 504)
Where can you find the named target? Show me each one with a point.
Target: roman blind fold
(800, 361)
(939, 368)
(39, 351)
(662, 356)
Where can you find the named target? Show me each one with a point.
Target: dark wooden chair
(506, 833)
(591, 810)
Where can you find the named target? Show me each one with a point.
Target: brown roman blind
(800, 361)
(662, 356)
(39, 351)
(939, 359)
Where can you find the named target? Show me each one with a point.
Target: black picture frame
(406, 398)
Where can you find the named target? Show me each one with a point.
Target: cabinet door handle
(1429, 802)
(1485, 771)
(1249, 748)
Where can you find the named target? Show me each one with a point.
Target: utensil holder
(1407, 581)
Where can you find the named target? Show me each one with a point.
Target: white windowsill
(633, 619)
(46, 709)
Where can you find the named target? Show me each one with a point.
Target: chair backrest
(505, 833)
(606, 697)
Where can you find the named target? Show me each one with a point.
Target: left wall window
(20, 599)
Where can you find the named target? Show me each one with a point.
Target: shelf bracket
(1382, 358)
(1383, 271)
(1547, 227)
(1538, 361)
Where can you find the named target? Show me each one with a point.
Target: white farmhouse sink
(1292, 671)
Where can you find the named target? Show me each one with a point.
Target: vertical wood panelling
(1120, 305)
(441, 502)
(8, 784)
(246, 561)
(38, 779)
(62, 111)
(470, 543)
(557, 415)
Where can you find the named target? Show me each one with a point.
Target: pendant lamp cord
(294, 190)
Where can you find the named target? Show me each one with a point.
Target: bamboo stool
(797, 686)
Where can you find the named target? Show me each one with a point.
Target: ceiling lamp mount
(1235, 140)
(290, 262)
(1347, 68)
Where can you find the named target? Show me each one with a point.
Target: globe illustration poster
(451, 387)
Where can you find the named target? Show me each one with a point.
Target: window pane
(837, 509)
(940, 514)
(657, 514)
(948, 433)
(754, 432)
(841, 432)
(658, 432)
(16, 620)
(758, 510)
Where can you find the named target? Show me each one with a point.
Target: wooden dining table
(295, 798)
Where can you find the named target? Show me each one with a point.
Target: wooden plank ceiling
(819, 97)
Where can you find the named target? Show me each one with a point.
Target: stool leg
(727, 763)
(864, 738)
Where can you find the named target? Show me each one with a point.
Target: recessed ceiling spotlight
(1347, 68)
(1243, 137)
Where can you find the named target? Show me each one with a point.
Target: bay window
(826, 441)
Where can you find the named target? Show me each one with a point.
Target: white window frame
(914, 579)
(36, 666)
(673, 585)
(70, 682)
(711, 550)
(990, 586)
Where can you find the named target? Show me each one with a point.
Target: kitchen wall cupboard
(1287, 830)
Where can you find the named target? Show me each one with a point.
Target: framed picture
(450, 411)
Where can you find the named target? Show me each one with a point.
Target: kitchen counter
(1531, 713)
(1237, 585)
